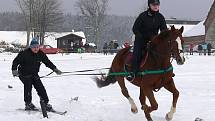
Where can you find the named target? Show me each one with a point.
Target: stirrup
(130, 77)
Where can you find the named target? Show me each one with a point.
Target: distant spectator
(200, 49)
(209, 47)
(126, 45)
(81, 44)
(79, 50)
(204, 47)
(90, 47)
(113, 45)
(191, 48)
(105, 48)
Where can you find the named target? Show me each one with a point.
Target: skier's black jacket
(28, 63)
(148, 24)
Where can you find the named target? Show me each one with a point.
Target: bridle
(180, 49)
(169, 48)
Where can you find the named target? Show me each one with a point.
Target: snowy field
(195, 80)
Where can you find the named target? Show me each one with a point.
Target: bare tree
(14, 18)
(94, 13)
(25, 7)
(40, 16)
(50, 18)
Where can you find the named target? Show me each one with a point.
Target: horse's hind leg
(124, 91)
(171, 87)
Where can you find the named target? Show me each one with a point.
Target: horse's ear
(181, 29)
(172, 27)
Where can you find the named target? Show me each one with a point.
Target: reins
(85, 74)
(75, 73)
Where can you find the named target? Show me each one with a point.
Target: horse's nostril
(179, 59)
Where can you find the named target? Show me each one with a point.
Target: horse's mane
(162, 36)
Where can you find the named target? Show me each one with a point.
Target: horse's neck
(159, 57)
(158, 62)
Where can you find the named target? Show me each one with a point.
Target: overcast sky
(187, 9)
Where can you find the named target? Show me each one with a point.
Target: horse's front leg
(154, 105)
(124, 91)
(142, 99)
(144, 106)
(171, 87)
(133, 106)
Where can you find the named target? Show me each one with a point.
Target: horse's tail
(105, 80)
(110, 79)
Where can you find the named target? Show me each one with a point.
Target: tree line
(41, 16)
(117, 28)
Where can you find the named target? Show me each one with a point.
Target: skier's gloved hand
(15, 73)
(57, 71)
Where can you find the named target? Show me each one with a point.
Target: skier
(26, 66)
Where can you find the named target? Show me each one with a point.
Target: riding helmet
(153, 2)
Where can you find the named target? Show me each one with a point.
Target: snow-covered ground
(195, 80)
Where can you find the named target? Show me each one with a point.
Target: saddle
(129, 58)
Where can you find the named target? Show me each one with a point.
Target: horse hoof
(167, 118)
(134, 111)
(142, 108)
(149, 119)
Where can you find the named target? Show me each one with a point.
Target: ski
(39, 110)
(58, 112)
(35, 110)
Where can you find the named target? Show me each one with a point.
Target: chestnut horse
(162, 47)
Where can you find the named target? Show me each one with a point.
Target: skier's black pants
(138, 52)
(28, 81)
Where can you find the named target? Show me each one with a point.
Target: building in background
(210, 26)
(195, 35)
(71, 42)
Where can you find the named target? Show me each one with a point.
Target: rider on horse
(145, 28)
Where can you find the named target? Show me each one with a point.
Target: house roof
(178, 26)
(78, 34)
(197, 30)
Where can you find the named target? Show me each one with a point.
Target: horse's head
(169, 44)
(176, 43)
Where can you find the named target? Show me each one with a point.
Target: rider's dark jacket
(145, 28)
(148, 24)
